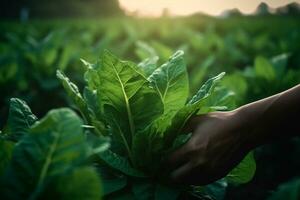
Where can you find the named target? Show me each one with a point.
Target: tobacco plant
(142, 108)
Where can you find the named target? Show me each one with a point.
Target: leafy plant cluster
(264, 78)
(142, 109)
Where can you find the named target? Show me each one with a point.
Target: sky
(185, 7)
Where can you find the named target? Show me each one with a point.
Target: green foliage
(32, 52)
(288, 191)
(79, 183)
(73, 93)
(194, 105)
(19, 120)
(120, 163)
(144, 115)
(5, 154)
(214, 190)
(171, 83)
(49, 160)
(244, 172)
(264, 69)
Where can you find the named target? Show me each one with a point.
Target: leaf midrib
(128, 109)
(46, 164)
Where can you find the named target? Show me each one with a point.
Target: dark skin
(221, 140)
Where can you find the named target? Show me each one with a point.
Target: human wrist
(246, 120)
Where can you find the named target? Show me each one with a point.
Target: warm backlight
(185, 7)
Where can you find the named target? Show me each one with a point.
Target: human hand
(218, 144)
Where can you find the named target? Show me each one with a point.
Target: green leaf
(6, 149)
(237, 83)
(163, 192)
(54, 145)
(121, 195)
(280, 63)
(92, 79)
(181, 140)
(206, 89)
(20, 119)
(82, 183)
(287, 191)
(126, 96)
(73, 92)
(113, 185)
(192, 107)
(162, 50)
(148, 65)
(147, 147)
(216, 190)
(171, 82)
(120, 163)
(149, 57)
(264, 69)
(144, 50)
(221, 99)
(143, 190)
(213, 191)
(95, 111)
(244, 171)
(199, 72)
(97, 144)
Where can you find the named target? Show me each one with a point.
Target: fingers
(178, 157)
(190, 174)
(180, 175)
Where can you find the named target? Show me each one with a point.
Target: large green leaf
(244, 171)
(81, 183)
(126, 96)
(54, 145)
(20, 119)
(171, 82)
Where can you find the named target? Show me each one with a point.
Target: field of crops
(96, 146)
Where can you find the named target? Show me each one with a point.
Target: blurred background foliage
(59, 9)
(259, 52)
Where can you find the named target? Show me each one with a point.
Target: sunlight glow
(185, 7)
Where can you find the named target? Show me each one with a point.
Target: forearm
(271, 118)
